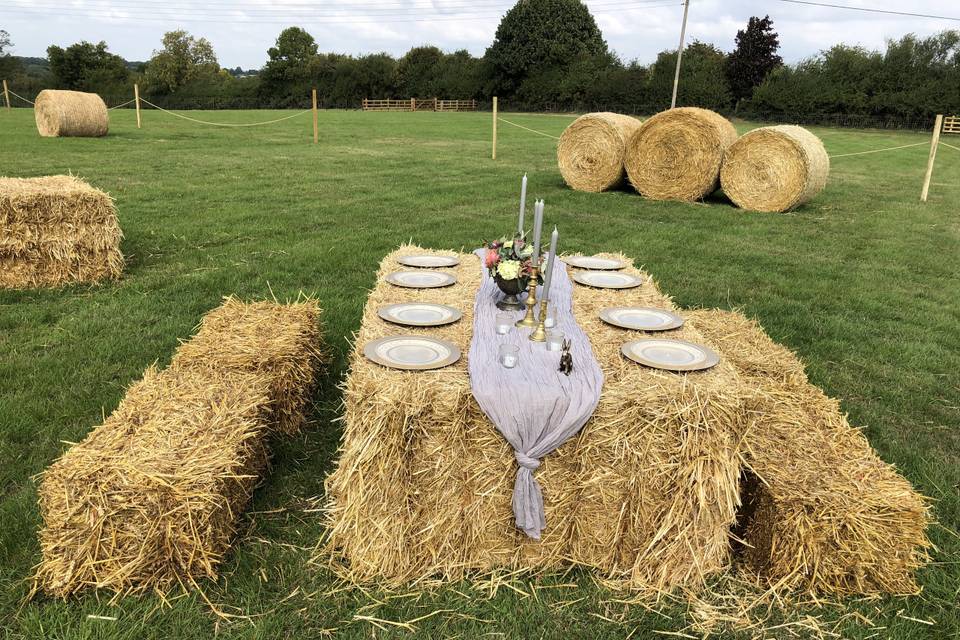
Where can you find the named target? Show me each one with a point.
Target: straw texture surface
(591, 150)
(70, 113)
(646, 493)
(676, 154)
(56, 230)
(775, 168)
(822, 511)
(153, 497)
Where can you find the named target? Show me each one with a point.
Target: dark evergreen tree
(537, 35)
(754, 57)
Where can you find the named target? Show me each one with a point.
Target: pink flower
(492, 259)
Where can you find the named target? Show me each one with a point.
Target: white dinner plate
(412, 352)
(594, 262)
(671, 355)
(419, 314)
(641, 318)
(429, 261)
(421, 279)
(607, 279)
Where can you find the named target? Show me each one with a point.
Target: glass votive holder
(504, 322)
(509, 355)
(550, 321)
(554, 340)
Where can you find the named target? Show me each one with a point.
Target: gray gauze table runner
(535, 406)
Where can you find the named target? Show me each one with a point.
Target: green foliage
(288, 67)
(703, 81)
(9, 65)
(182, 60)
(754, 57)
(538, 35)
(85, 66)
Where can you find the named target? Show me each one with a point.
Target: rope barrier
(861, 153)
(225, 124)
(21, 97)
(950, 145)
(121, 105)
(520, 126)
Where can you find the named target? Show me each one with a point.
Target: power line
(869, 10)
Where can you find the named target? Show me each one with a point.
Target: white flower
(508, 269)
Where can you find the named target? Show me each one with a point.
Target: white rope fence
(950, 145)
(863, 153)
(123, 104)
(15, 95)
(520, 126)
(225, 124)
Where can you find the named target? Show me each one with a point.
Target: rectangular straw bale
(56, 230)
(279, 341)
(152, 497)
(423, 485)
(823, 512)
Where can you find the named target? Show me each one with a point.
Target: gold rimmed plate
(412, 353)
(670, 355)
(428, 261)
(607, 279)
(595, 263)
(421, 279)
(419, 314)
(641, 318)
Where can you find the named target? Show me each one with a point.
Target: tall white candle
(523, 204)
(553, 252)
(537, 227)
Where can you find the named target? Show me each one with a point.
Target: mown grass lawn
(864, 283)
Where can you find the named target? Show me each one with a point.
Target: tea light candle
(554, 340)
(504, 323)
(550, 321)
(509, 354)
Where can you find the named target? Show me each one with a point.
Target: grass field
(864, 283)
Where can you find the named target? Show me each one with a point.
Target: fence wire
(225, 124)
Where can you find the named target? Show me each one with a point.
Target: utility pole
(683, 35)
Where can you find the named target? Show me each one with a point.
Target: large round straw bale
(775, 168)
(590, 152)
(676, 154)
(70, 113)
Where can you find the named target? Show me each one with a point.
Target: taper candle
(523, 204)
(553, 252)
(537, 228)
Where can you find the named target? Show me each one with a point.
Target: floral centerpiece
(510, 264)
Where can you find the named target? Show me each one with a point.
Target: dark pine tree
(754, 56)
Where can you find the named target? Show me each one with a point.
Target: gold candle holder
(540, 333)
(528, 320)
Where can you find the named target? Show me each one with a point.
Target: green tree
(703, 82)
(182, 60)
(540, 34)
(754, 57)
(287, 71)
(417, 72)
(8, 64)
(88, 67)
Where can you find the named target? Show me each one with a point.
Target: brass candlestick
(528, 320)
(540, 333)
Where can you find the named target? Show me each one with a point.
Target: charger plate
(429, 261)
(421, 279)
(641, 318)
(607, 279)
(413, 353)
(419, 314)
(670, 355)
(594, 262)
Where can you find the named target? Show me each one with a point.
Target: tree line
(546, 55)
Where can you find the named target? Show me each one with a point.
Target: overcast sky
(242, 30)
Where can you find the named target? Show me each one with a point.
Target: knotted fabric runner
(534, 405)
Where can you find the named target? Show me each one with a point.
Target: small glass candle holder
(554, 340)
(504, 322)
(509, 355)
(550, 321)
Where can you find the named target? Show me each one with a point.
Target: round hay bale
(70, 113)
(590, 151)
(676, 154)
(775, 168)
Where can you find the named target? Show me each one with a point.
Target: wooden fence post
(494, 157)
(6, 94)
(413, 104)
(938, 124)
(136, 98)
(316, 130)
